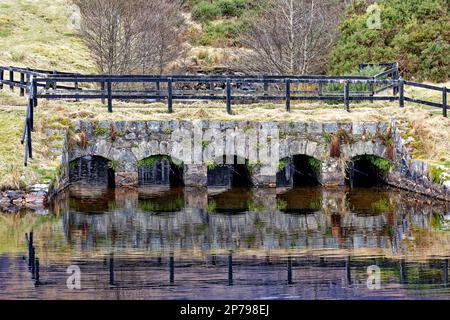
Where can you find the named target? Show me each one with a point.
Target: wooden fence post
(266, 85)
(102, 88)
(347, 96)
(444, 102)
(228, 95)
(402, 93)
(169, 95)
(2, 77)
(22, 82)
(76, 89)
(11, 79)
(109, 96)
(34, 86)
(288, 95)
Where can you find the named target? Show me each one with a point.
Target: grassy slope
(36, 34)
(33, 34)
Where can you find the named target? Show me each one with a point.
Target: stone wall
(411, 174)
(126, 143)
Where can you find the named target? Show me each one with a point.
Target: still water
(305, 243)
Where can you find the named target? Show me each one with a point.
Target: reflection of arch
(160, 170)
(227, 175)
(367, 170)
(92, 171)
(298, 170)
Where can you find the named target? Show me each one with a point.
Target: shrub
(205, 11)
(415, 33)
(231, 8)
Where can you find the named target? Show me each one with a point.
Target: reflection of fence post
(171, 269)
(402, 93)
(444, 102)
(37, 271)
(111, 269)
(445, 272)
(289, 271)
(348, 271)
(230, 269)
(288, 95)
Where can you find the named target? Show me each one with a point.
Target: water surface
(305, 243)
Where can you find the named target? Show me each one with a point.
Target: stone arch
(159, 170)
(222, 173)
(305, 147)
(368, 169)
(298, 169)
(92, 170)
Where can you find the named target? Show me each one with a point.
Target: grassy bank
(38, 34)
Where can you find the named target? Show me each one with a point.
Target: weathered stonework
(412, 175)
(135, 141)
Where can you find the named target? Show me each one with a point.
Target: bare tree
(162, 41)
(291, 36)
(127, 36)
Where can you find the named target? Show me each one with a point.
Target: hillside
(37, 34)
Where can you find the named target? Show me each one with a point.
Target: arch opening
(160, 170)
(92, 171)
(367, 171)
(298, 170)
(228, 176)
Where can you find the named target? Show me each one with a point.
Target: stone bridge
(260, 145)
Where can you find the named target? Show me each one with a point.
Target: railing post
(158, 88)
(228, 95)
(102, 89)
(35, 100)
(372, 90)
(2, 77)
(402, 93)
(444, 102)
(22, 82)
(28, 77)
(76, 89)
(288, 95)
(109, 96)
(396, 76)
(169, 95)
(11, 79)
(266, 85)
(347, 96)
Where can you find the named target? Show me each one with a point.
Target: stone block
(330, 127)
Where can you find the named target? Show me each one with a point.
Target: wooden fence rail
(43, 84)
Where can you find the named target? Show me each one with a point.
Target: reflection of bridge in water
(261, 219)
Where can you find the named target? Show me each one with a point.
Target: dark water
(307, 243)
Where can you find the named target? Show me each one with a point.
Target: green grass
(43, 168)
(36, 34)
